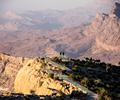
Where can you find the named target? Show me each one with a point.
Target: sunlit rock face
(9, 67)
(33, 78)
(28, 76)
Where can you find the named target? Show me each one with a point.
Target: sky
(36, 5)
(43, 4)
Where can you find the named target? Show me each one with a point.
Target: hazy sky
(23, 5)
(43, 4)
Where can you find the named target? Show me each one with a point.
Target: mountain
(106, 28)
(100, 39)
(51, 19)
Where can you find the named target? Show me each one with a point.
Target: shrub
(84, 81)
(56, 78)
(51, 75)
(74, 68)
(106, 97)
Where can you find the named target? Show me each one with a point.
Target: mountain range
(50, 19)
(46, 33)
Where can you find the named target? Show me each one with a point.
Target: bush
(106, 97)
(72, 76)
(56, 78)
(101, 91)
(51, 75)
(74, 68)
(84, 81)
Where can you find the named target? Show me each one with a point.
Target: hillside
(57, 77)
(106, 29)
(99, 40)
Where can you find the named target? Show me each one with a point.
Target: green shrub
(74, 68)
(84, 81)
(51, 75)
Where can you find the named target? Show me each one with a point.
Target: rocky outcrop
(33, 78)
(9, 66)
(93, 28)
(106, 27)
(30, 76)
(109, 36)
(106, 30)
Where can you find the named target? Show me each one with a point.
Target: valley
(51, 54)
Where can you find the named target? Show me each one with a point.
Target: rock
(2, 67)
(9, 67)
(32, 79)
(106, 31)
(108, 36)
(29, 76)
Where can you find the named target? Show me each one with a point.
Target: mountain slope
(106, 28)
(100, 39)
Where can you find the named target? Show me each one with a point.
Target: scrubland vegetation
(101, 78)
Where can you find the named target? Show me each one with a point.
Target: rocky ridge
(106, 30)
(30, 76)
